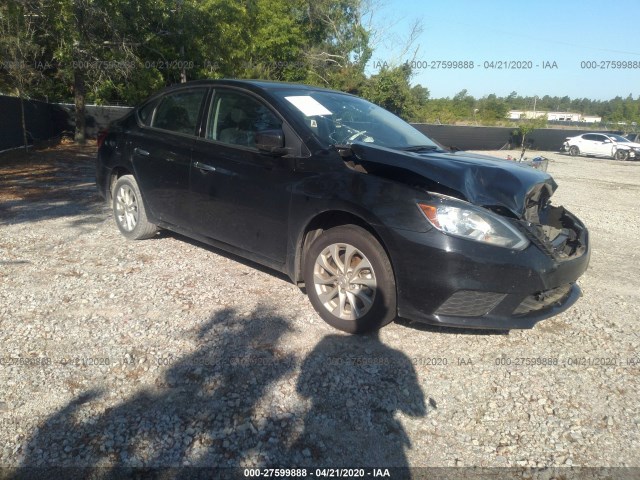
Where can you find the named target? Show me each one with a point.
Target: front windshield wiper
(420, 148)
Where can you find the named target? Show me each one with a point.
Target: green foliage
(117, 51)
(19, 48)
(463, 105)
(391, 89)
(19, 51)
(614, 110)
(524, 130)
(492, 109)
(134, 91)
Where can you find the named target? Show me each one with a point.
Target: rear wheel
(573, 151)
(350, 281)
(129, 211)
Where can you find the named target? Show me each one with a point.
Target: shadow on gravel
(222, 407)
(201, 410)
(358, 386)
(51, 183)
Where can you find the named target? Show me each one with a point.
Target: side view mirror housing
(271, 142)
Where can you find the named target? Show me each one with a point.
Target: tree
(492, 109)
(390, 89)
(525, 128)
(336, 41)
(463, 104)
(19, 52)
(92, 46)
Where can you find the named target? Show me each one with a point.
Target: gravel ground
(166, 353)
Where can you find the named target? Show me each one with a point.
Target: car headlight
(461, 219)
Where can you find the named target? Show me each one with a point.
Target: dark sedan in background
(372, 217)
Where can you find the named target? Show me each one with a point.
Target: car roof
(264, 85)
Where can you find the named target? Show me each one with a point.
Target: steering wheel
(351, 134)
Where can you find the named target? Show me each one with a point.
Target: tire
(361, 302)
(574, 151)
(129, 212)
(621, 154)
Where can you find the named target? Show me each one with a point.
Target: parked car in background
(372, 217)
(633, 137)
(602, 145)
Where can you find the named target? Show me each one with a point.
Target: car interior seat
(239, 133)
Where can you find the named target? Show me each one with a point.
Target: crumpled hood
(482, 180)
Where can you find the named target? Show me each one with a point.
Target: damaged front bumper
(455, 282)
(529, 310)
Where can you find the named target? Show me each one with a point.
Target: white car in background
(602, 145)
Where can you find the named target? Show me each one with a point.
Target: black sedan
(376, 220)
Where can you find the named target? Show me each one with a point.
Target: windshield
(618, 138)
(340, 119)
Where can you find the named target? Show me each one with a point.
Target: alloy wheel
(621, 154)
(127, 208)
(344, 281)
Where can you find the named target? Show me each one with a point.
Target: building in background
(552, 116)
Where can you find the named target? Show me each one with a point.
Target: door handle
(204, 167)
(140, 151)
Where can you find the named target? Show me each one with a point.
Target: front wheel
(129, 211)
(621, 154)
(573, 151)
(350, 281)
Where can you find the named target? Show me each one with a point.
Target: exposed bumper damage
(456, 282)
(556, 232)
(503, 292)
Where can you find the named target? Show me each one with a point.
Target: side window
(179, 111)
(590, 137)
(236, 118)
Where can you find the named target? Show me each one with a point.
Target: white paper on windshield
(308, 105)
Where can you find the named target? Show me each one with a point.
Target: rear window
(178, 112)
(146, 112)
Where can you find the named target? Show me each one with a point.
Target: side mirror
(271, 141)
(607, 141)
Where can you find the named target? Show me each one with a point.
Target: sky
(583, 38)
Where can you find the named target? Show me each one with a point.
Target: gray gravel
(169, 353)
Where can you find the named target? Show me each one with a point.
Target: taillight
(102, 134)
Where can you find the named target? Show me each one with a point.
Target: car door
(161, 153)
(587, 143)
(602, 145)
(241, 196)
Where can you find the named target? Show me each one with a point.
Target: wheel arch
(324, 221)
(115, 174)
